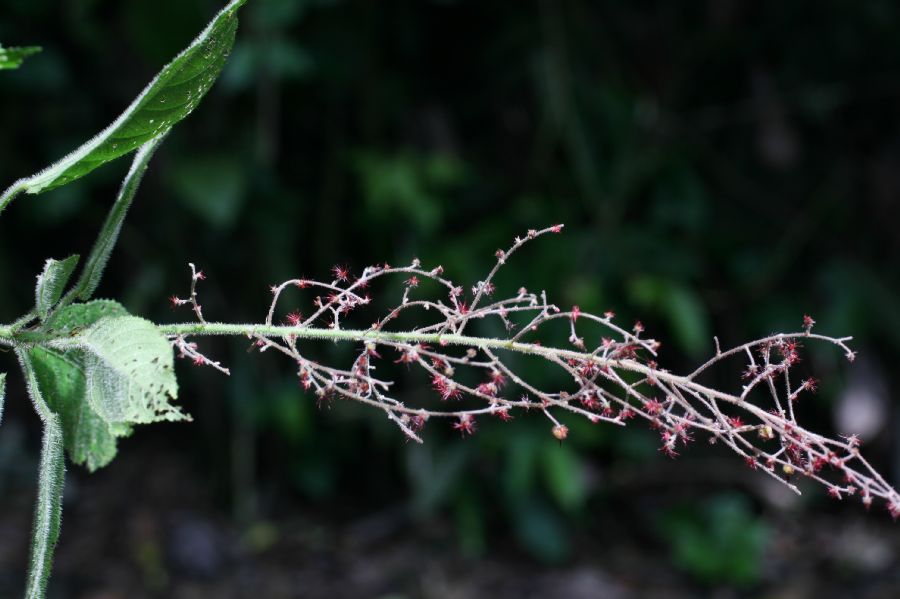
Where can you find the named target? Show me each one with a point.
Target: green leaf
(52, 282)
(75, 317)
(89, 440)
(128, 367)
(2, 393)
(12, 58)
(169, 98)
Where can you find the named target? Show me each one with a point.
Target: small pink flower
(341, 273)
(576, 312)
(808, 322)
(465, 425)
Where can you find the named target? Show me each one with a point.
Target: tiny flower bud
(341, 273)
(575, 313)
(808, 323)
(765, 432)
(465, 425)
(561, 431)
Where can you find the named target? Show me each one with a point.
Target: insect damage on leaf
(75, 317)
(127, 390)
(129, 373)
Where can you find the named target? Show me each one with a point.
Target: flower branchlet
(612, 371)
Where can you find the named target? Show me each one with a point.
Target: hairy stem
(483, 343)
(303, 332)
(109, 234)
(48, 510)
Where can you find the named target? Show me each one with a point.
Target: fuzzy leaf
(89, 440)
(52, 282)
(75, 317)
(169, 98)
(128, 367)
(11, 58)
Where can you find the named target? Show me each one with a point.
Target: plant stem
(2, 394)
(377, 336)
(109, 234)
(48, 510)
(249, 330)
(483, 343)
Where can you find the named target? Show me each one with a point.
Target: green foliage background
(722, 168)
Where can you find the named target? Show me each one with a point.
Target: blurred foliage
(718, 541)
(722, 168)
(12, 58)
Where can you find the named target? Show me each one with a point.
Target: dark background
(722, 167)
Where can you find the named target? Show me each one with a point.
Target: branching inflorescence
(614, 378)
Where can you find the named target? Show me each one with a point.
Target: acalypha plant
(93, 371)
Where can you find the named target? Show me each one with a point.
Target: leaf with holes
(75, 317)
(169, 98)
(52, 282)
(88, 438)
(128, 366)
